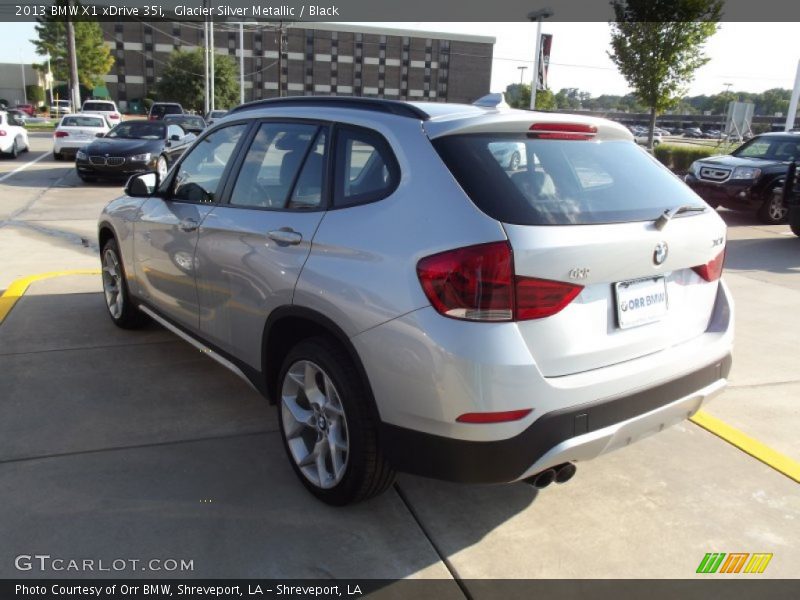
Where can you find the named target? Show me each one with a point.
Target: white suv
(103, 107)
(411, 302)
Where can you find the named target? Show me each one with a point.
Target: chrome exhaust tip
(543, 479)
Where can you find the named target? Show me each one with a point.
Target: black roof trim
(394, 107)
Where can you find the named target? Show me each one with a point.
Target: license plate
(640, 301)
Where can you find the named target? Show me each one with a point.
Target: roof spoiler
(497, 100)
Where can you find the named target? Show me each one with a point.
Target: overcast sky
(751, 56)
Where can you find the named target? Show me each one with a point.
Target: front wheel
(773, 211)
(327, 426)
(115, 289)
(161, 168)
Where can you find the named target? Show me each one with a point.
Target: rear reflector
(477, 283)
(562, 131)
(712, 270)
(2, 133)
(114, 116)
(495, 417)
(61, 134)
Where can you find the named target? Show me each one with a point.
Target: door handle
(187, 225)
(286, 236)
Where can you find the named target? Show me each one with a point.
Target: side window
(272, 165)
(307, 193)
(366, 169)
(175, 130)
(200, 172)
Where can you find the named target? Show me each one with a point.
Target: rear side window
(561, 182)
(272, 165)
(366, 169)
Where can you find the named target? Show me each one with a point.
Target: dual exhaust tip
(559, 474)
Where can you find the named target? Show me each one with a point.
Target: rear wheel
(794, 220)
(58, 156)
(15, 148)
(773, 211)
(327, 426)
(115, 289)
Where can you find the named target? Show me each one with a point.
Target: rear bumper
(577, 433)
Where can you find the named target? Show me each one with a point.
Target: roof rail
(395, 107)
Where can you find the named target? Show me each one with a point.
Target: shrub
(35, 94)
(680, 158)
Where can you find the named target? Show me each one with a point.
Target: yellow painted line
(772, 458)
(19, 286)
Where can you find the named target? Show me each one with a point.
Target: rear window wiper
(667, 215)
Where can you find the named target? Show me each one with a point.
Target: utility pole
(538, 16)
(790, 116)
(212, 70)
(72, 59)
(241, 63)
(206, 104)
(24, 83)
(49, 81)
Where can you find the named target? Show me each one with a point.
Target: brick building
(317, 58)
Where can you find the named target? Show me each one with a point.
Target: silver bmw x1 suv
(411, 303)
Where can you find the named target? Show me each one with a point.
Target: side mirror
(142, 185)
(175, 138)
(101, 134)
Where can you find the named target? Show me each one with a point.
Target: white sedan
(76, 131)
(13, 136)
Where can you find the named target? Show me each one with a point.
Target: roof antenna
(496, 100)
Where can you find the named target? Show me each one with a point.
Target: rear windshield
(82, 122)
(561, 182)
(101, 106)
(159, 110)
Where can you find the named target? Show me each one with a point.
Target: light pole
(538, 16)
(792, 113)
(49, 80)
(241, 63)
(521, 74)
(22, 70)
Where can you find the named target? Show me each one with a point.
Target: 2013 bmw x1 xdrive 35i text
(412, 304)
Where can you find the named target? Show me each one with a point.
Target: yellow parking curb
(772, 458)
(19, 286)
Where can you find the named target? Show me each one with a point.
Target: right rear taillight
(61, 134)
(712, 270)
(478, 283)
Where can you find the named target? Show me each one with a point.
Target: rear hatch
(582, 209)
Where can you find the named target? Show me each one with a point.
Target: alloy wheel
(314, 424)
(112, 283)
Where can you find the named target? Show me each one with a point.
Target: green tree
(182, 80)
(657, 45)
(94, 57)
(35, 94)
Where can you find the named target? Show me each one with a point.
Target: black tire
(794, 220)
(128, 316)
(58, 156)
(15, 148)
(367, 472)
(513, 163)
(773, 211)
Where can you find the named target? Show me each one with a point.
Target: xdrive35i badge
(660, 253)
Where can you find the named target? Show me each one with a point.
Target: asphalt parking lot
(133, 445)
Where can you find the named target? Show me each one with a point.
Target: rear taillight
(2, 133)
(61, 134)
(477, 283)
(114, 116)
(562, 131)
(712, 270)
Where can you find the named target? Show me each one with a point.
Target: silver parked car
(411, 304)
